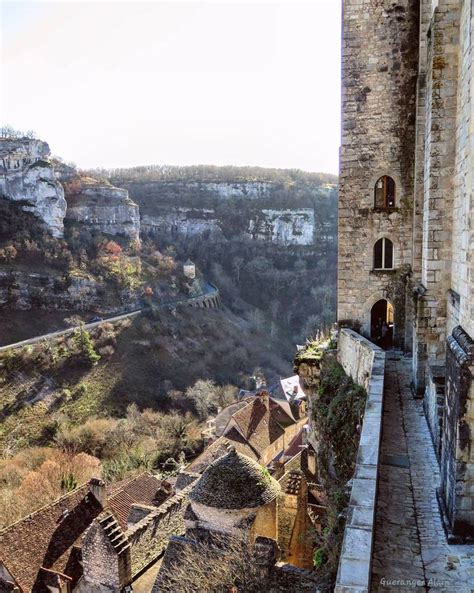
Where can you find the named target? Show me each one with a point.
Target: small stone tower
(380, 61)
(189, 269)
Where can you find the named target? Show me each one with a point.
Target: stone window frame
(387, 182)
(383, 238)
(398, 189)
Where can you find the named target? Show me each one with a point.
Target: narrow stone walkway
(410, 549)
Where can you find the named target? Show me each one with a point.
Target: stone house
(67, 545)
(406, 212)
(262, 429)
(236, 518)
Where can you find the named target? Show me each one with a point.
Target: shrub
(85, 346)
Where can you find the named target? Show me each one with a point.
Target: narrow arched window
(383, 254)
(385, 192)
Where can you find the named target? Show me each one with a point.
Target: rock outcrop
(284, 227)
(286, 214)
(27, 176)
(100, 206)
(182, 221)
(28, 290)
(57, 193)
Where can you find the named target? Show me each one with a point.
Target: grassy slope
(152, 357)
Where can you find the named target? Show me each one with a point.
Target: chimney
(97, 489)
(265, 397)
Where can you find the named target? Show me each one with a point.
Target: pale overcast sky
(130, 83)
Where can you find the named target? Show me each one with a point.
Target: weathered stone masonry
(380, 53)
(407, 114)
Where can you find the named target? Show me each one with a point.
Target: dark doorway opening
(381, 324)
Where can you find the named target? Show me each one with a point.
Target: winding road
(210, 291)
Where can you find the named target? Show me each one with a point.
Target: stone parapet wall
(356, 354)
(149, 537)
(365, 363)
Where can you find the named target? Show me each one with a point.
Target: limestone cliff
(27, 176)
(285, 214)
(284, 227)
(99, 206)
(183, 221)
(58, 194)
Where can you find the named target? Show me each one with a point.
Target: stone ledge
(365, 363)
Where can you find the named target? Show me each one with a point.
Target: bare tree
(218, 564)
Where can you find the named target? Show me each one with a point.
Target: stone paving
(411, 553)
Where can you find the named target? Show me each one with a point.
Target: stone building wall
(149, 537)
(407, 113)
(439, 159)
(106, 570)
(380, 62)
(457, 452)
(461, 311)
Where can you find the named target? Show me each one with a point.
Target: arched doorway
(381, 324)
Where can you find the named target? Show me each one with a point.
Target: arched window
(383, 254)
(384, 195)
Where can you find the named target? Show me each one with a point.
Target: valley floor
(410, 549)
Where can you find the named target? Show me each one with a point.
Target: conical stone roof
(234, 481)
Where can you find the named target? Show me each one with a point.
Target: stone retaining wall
(365, 363)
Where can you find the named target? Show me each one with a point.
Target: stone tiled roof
(258, 424)
(282, 412)
(143, 489)
(251, 430)
(50, 538)
(183, 552)
(224, 416)
(47, 539)
(219, 448)
(235, 481)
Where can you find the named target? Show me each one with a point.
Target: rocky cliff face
(27, 290)
(284, 227)
(281, 227)
(27, 176)
(100, 206)
(57, 193)
(182, 221)
(287, 215)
